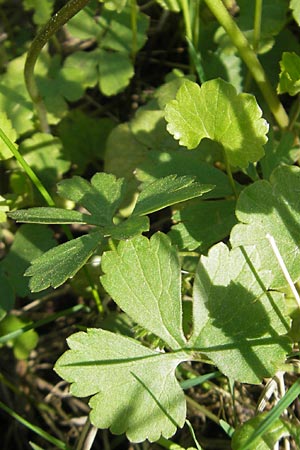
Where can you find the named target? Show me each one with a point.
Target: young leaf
(217, 112)
(289, 78)
(168, 191)
(272, 208)
(134, 388)
(144, 279)
(54, 267)
(101, 197)
(237, 322)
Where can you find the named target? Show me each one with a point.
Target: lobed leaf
(217, 112)
(134, 388)
(238, 323)
(272, 207)
(167, 191)
(144, 279)
(101, 197)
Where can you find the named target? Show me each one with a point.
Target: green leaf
(215, 111)
(237, 322)
(45, 156)
(50, 216)
(295, 7)
(123, 152)
(273, 17)
(134, 390)
(117, 30)
(54, 267)
(42, 10)
(168, 191)
(149, 128)
(128, 228)
(78, 131)
(115, 71)
(6, 126)
(289, 78)
(31, 241)
(216, 218)
(161, 164)
(272, 208)
(101, 197)
(143, 277)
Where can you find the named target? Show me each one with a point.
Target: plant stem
(187, 19)
(229, 174)
(257, 24)
(54, 24)
(250, 59)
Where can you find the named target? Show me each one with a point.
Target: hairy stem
(54, 24)
(250, 59)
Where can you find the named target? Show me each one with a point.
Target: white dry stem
(283, 268)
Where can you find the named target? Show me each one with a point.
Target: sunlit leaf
(215, 111)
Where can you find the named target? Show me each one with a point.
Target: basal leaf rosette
(215, 111)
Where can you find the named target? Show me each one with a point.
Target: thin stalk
(133, 18)
(187, 19)
(257, 25)
(230, 177)
(33, 177)
(250, 59)
(294, 113)
(202, 409)
(256, 37)
(39, 323)
(41, 39)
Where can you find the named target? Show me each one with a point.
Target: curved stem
(250, 59)
(54, 24)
